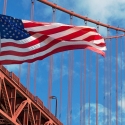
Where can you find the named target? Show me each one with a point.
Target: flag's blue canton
(11, 28)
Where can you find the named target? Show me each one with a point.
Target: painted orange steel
(80, 16)
(111, 37)
(20, 107)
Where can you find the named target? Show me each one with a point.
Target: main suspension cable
(80, 16)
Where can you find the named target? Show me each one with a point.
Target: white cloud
(102, 10)
(102, 111)
(106, 11)
(121, 104)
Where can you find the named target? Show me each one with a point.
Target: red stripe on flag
(60, 49)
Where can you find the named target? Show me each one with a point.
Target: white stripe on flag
(61, 44)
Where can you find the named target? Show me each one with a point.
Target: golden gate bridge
(17, 102)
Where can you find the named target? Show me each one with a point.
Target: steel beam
(19, 106)
(31, 115)
(6, 99)
(26, 115)
(8, 118)
(111, 37)
(12, 98)
(37, 116)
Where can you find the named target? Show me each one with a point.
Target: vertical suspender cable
(116, 79)
(104, 90)
(35, 75)
(106, 96)
(5, 6)
(81, 89)
(124, 68)
(123, 71)
(61, 74)
(54, 14)
(69, 90)
(106, 83)
(89, 86)
(50, 81)
(28, 69)
(97, 84)
(122, 83)
(72, 59)
(84, 90)
(19, 75)
(69, 118)
(32, 10)
(51, 69)
(123, 96)
(121, 80)
(84, 86)
(35, 67)
(4, 12)
(110, 82)
(28, 77)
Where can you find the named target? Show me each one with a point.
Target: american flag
(28, 41)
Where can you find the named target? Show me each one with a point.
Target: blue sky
(108, 12)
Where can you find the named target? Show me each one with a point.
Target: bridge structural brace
(20, 107)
